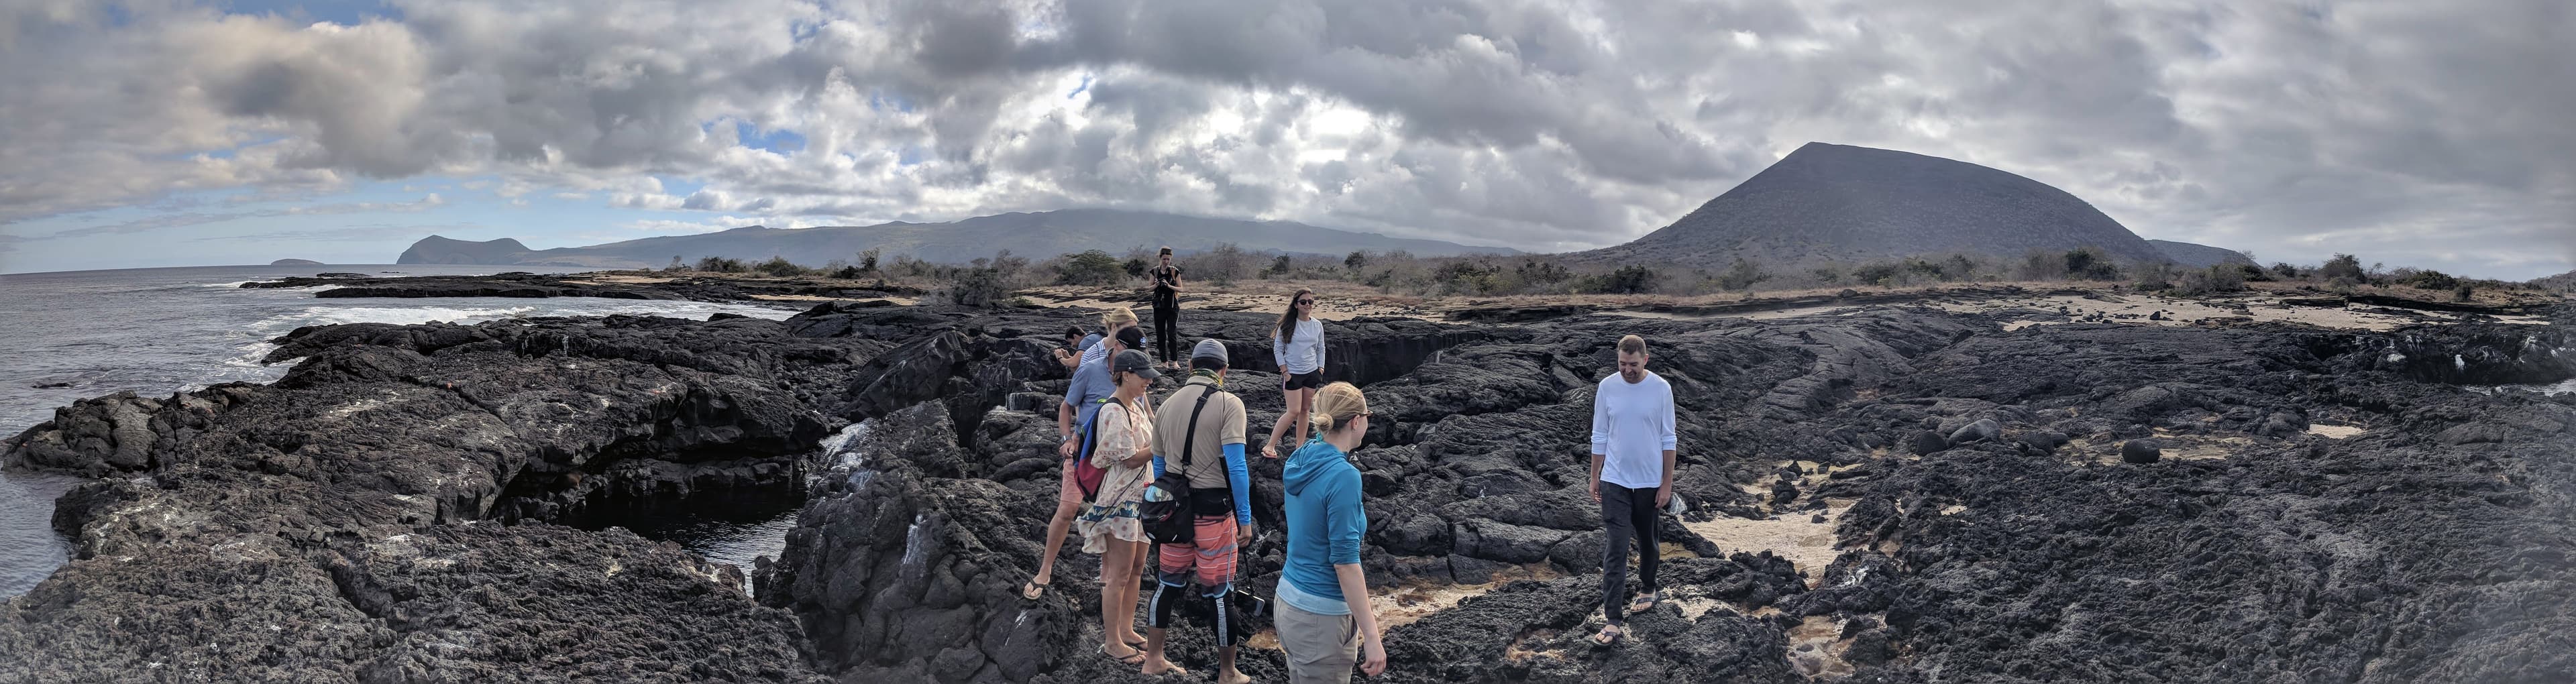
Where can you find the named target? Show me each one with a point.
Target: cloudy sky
(166, 132)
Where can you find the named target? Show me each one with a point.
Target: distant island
(1036, 234)
(295, 262)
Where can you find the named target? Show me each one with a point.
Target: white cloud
(727, 223)
(190, 218)
(2292, 130)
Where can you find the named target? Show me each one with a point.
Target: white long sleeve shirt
(1302, 355)
(1632, 426)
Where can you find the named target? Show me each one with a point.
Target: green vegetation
(780, 267)
(1092, 267)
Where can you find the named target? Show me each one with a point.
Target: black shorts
(1300, 381)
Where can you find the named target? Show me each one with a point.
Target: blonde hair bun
(1335, 405)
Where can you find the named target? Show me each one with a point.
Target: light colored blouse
(1302, 355)
(1112, 510)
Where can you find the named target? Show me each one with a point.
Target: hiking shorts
(1068, 491)
(1210, 555)
(1321, 649)
(1302, 381)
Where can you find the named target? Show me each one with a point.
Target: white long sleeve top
(1632, 426)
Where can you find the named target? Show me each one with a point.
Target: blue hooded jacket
(1325, 526)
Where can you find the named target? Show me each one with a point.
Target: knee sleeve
(1230, 629)
(1168, 597)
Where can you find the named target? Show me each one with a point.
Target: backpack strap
(1189, 443)
(1189, 435)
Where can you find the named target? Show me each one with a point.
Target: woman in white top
(1109, 526)
(1298, 346)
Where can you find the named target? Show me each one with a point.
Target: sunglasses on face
(1305, 302)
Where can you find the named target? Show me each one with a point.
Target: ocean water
(74, 335)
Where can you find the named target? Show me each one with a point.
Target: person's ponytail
(1336, 405)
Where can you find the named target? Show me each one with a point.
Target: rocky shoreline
(2322, 505)
(612, 285)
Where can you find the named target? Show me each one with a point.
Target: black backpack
(1168, 510)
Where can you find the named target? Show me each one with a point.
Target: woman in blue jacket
(1324, 621)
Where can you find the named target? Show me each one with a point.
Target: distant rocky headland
(1040, 234)
(294, 262)
(1960, 487)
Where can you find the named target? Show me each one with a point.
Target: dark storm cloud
(2416, 131)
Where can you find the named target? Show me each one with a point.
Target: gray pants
(1322, 649)
(1627, 512)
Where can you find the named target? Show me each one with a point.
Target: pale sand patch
(2185, 312)
(897, 301)
(1693, 607)
(1812, 475)
(630, 279)
(1521, 651)
(1816, 648)
(2172, 447)
(1332, 304)
(1807, 545)
(1826, 310)
(2335, 431)
(1409, 604)
(2204, 449)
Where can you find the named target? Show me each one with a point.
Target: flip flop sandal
(1610, 634)
(1037, 588)
(1137, 659)
(1646, 602)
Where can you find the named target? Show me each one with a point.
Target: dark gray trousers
(1627, 513)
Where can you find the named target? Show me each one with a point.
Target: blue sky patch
(344, 12)
(781, 141)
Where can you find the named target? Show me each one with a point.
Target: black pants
(1167, 327)
(1627, 512)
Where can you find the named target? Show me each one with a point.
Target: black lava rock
(2141, 451)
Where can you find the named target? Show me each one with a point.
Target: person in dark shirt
(1167, 310)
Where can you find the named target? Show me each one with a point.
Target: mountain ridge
(1032, 234)
(2198, 255)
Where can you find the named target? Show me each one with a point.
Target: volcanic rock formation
(2017, 545)
(1828, 202)
(1888, 494)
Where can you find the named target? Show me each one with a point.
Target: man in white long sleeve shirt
(1633, 446)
